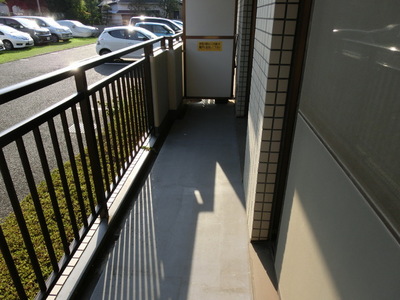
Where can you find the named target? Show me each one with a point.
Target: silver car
(39, 35)
(58, 32)
(158, 29)
(78, 29)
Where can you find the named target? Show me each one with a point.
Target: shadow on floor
(184, 235)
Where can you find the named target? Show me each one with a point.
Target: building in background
(120, 11)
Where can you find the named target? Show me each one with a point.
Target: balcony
(167, 220)
(183, 235)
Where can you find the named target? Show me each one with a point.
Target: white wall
(175, 76)
(332, 245)
(159, 67)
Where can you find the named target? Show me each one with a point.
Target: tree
(93, 14)
(170, 6)
(105, 13)
(68, 9)
(138, 6)
(23, 4)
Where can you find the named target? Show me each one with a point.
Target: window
(350, 95)
(146, 26)
(137, 36)
(13, 23)
(119, 34)
(160, 29)
(128, 35)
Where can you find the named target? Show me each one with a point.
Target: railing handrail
(20, 89)
(17, 90)
(118, 131)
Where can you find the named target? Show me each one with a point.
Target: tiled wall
(245, 9)
(273, 45)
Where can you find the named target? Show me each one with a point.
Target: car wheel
(8, 45)
(54, 38)
(104, 51)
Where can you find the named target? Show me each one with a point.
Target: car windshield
(28, 23)
(51, 22)
(77, 23)
(175, 26)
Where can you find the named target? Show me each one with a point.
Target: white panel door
(209, 48)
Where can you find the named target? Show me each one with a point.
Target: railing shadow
(185, 233)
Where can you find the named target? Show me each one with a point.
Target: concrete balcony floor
(185, 236)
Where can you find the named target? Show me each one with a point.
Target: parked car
(58, 32)
(158, 29)
(39, 35)
(2, 46)
(116, 38)
(13, 38)
(179, 22)
(175, 27)
(78, 29)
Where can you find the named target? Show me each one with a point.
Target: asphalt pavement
(25, 69)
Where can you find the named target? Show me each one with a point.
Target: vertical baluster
(107, 132)
(116, 159)
(5, 172)
(82, 154)
(74, 169)
(87, 119)
(36, 202)
(117, 113)
(63, 177)
(11, 266)
(50, 187)
(101, 142)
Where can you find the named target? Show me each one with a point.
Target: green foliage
(68, 9)
(170, 6)
(14, 237)
(92, 14)
(141, 7)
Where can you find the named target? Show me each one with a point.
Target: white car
(116, 38)
(13, 38)
(158, 29)
(78, 29)
(2, 46)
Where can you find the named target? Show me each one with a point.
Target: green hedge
(14, 237)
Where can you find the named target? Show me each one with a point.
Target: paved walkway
(186, 236)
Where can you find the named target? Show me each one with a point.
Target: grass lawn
(11, 55)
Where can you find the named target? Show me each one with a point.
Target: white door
(209, 35)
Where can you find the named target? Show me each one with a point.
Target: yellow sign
(209, 46)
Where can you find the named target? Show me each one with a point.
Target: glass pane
(351, 93)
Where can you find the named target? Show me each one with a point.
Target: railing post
(148, 52)
(163, 44)
(170, 43)
(93, 151)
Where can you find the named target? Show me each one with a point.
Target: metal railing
(69, 159)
